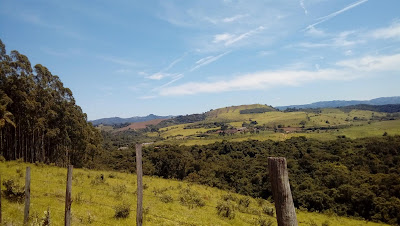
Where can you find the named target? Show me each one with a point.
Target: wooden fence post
(1, 219)
(27, 194)
(68, 199)
(139, 173)
(285, 211)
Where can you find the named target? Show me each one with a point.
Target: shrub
(264, 222)
(14, 192)
(119, 190)
(122, 210)
(268, 210)
(191, 198)
(245, 202)
(159, 191)
(99, 179)
(226, 209)
(166, 198)
(229, 197)
(325, 223)
(2, 159)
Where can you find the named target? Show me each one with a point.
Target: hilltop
(342, 103)
(117, 120)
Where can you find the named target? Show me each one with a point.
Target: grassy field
(352, 124)
(165, 201)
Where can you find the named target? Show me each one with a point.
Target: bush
(166, 198)
(226, 209)
(264, 222)
(229, 197)
(14, 192)
(122, 210)
(99, 179)
(119, 190)
(268, 210)
(191, 198)
(245, 202)
(2, 159)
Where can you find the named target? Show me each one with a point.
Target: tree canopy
(39, 119)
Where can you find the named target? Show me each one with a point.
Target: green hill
(166, 202)
(262, 122)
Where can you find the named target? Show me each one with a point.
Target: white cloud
(344, 70)
(343, 39)
(312, 31)
(234, 18)
(303, 6)
(348, 52)
(158, 76)
(223, 37)
(373, 63)
(146, 97)
(207, 60)
(392, 31)
(332, 15)
(229, 39)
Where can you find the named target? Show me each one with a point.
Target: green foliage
(226, 209)
(268, 210)
(122, 210)
(191, 198)
(14, 191)
(45, 112)
(256, 110)
(165, 198)
(348, 177)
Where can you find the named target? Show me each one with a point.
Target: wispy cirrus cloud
(164, 72)
(393, 31)
(200, 63)
(332, 15)
(207, 60)
(342, 40)
(234, 18)
(229, 39)
(302, 5)
(118, 60)
(343, 71)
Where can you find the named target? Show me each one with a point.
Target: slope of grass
(95, 200)
(352, 123)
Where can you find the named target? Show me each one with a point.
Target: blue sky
(130, 58)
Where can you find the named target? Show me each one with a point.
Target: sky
(172, 57)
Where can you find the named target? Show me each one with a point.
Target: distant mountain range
(118, 120)
(343, 103)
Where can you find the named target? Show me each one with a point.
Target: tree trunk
(285, 211)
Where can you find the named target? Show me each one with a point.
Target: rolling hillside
(166, 202)
(238, 123)
(118, 120)
(342, 103)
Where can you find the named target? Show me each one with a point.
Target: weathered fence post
(27, 194)
(68, 199)
(1, 219)
(139, 173)
(285, 211)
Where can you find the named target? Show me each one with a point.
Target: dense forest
(39, 119)
(348, 177)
